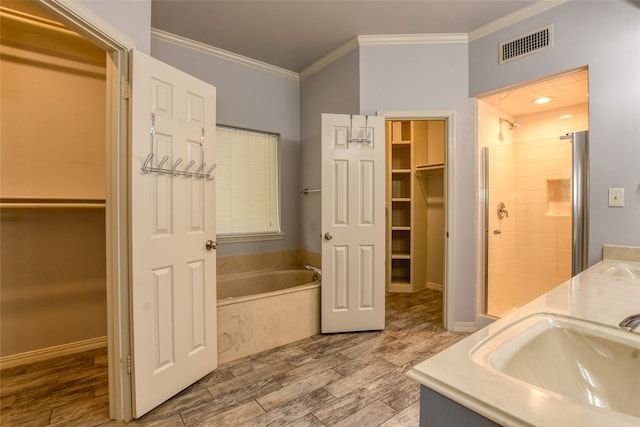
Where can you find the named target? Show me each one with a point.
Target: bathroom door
(353, 223)
(173, 269)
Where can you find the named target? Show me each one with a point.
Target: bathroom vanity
(560, 360)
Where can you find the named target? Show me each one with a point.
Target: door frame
(448, 288)
(118, 48)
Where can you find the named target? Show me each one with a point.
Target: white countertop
(605, 293)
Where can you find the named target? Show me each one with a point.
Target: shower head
(512, 125)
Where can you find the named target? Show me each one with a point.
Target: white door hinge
(129, 364)
(125, 89)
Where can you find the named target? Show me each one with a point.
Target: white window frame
(250, 236)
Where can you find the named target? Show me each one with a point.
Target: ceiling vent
(526, 44)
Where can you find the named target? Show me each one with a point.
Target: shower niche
(558, 193)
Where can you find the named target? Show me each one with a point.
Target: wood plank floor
(351, 379)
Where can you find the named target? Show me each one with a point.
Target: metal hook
(175, 166)
(162, 162)
(199, 174)
(145, 165)
(209, 177)
(186, 170)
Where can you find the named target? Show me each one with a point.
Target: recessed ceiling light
(565, 116)
(542, 100)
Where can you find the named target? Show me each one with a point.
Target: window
(247, 190)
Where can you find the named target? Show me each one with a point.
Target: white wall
(252, 98)
(434, 76)
(603, 36)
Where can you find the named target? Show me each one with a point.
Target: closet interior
(52, 193)
(415, 204)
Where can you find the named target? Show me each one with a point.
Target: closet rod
(50, 204)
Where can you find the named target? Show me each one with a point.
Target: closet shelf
(34, 203)
(429, 168)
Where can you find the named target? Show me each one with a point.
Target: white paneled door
(173, 298)
(353, 223)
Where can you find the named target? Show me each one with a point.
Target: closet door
(173, 264)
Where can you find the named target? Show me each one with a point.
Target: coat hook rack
(147, 165)
(360, 140)
(148, 168)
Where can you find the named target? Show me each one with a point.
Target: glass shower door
(529, 210)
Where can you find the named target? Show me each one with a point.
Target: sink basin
(572, 359)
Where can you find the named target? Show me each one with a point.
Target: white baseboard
(51, 352)
(465, 327)
(434, 286)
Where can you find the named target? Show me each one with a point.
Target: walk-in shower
(535, 218)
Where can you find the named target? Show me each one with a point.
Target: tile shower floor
(350, 379)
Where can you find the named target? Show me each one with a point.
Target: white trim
(239, 238)
(84, 21)
(117, 46)
(434, 286)
(464, 327)
(436, 38)
(221, 53)
(448, 287)
(42, 354)
(513, 18)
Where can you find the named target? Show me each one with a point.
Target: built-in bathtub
(261, 310)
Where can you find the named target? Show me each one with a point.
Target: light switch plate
(616, 197)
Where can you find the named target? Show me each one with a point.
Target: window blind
(246, 182)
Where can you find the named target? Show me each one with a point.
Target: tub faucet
(317, 273)
(631, 323)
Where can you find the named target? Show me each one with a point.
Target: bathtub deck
(338, 379)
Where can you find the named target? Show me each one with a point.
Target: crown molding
(378, 41)
(412, 39)
(221, 53)
(514, 18)
(329, 58)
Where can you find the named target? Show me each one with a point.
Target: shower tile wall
(542, 241)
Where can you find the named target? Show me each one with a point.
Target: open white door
(173, 280)
(353, 223)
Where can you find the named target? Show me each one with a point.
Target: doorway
(419, 221)
(53, 197)
(526, 175)
(71, 16)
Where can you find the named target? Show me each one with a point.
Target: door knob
(328, 236)
(211, 245)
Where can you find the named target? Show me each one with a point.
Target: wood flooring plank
(372, 415)
(324, 380)
(305, 386)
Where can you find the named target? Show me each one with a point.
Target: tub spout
(317, 273)
(631, 323)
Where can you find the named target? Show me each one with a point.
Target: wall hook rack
(148, 168)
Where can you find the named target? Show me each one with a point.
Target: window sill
(240, 238)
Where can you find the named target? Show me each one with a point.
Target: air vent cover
(526, 44)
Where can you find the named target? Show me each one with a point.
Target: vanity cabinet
(437, 410)
(415, 204)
